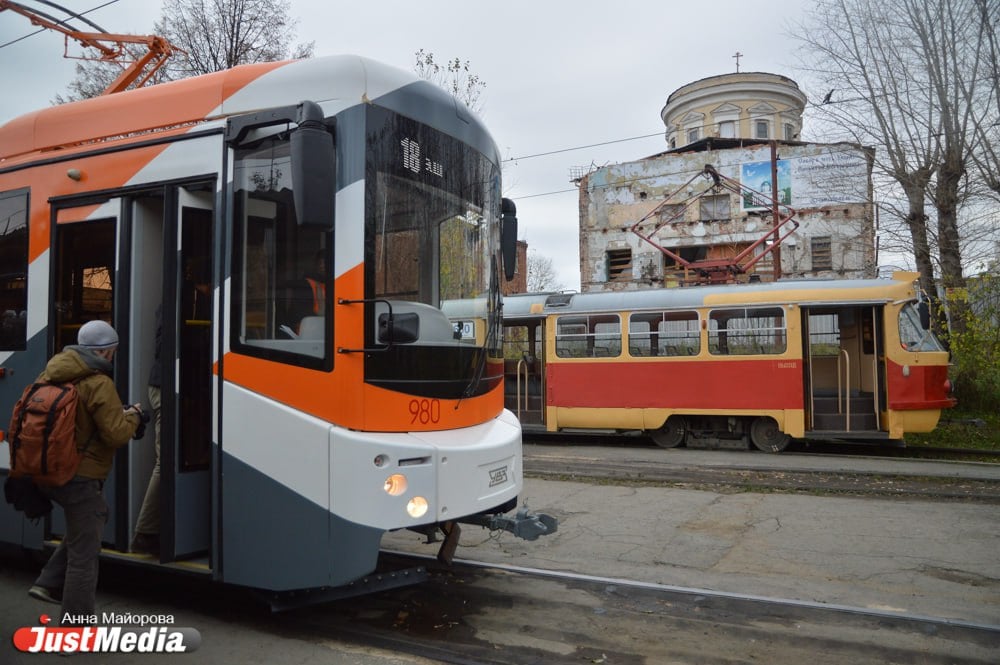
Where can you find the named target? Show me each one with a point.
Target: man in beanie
(103, 425)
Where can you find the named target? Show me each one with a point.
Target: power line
(581, 147)
(847, 147)
(707, 125)
(62, 22)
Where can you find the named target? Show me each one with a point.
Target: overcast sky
(559, 75)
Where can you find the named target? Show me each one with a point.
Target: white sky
(558, 74)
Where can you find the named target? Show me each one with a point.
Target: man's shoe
(145, 543)
(44, 593)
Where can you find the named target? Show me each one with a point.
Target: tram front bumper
(406, 480)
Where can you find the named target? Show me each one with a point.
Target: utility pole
(775, 196)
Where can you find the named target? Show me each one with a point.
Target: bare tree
(220, 34)
(907, 77)
(953, 42)
(455, 76)
(985, 145)
(541, 273)
(213, 35)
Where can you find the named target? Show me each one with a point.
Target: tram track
(479, 613)
(633, 465)
(854, 448)
(482, 613)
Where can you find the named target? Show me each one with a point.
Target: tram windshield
(432, 235)
(912, 335)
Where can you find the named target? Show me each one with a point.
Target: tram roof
(334, 82)
(802, 291)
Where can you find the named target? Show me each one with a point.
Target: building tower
(751, 105)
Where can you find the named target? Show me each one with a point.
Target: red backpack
(42, 434)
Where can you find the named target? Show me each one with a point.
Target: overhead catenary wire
(707, 125)
(62, 22)
(847, 147)
(751, 118)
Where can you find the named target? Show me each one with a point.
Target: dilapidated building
(667, 220)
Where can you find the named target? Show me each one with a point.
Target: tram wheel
(671, 434)
(765, 435)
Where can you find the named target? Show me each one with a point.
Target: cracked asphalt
(922, 555)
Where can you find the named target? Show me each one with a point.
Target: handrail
(840, 409)
(812, 371)
(517, 371)
(875, 366)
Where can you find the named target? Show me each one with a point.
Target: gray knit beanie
(97, 335)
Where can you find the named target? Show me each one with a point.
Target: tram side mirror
(314, 168)
(925, 314)
(398, 328)
(508, 238)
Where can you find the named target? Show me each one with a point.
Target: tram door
(85, 288)
(845, 383)
(524, 371)
(186, 356)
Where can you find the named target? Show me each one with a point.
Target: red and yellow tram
(727, 366)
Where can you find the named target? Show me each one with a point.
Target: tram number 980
(425, 411)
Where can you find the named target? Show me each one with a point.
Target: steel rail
(711, 593)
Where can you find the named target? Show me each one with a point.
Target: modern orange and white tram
(727, 366)
(301, 222)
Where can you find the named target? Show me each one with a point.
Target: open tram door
(844, 358)
(188, 404)
(86, 287)
(171, 236)
(524, 370)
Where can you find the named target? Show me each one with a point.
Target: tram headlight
(416, 507)
(395, 484)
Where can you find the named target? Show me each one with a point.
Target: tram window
(824, 335)
(664, 334)
(13, 270)
(747, 331)
(281, 299)
(463, 262)
(595, 336)
(85, 280)
(912, 335)
(522, 342)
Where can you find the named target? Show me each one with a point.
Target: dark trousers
(73, 566)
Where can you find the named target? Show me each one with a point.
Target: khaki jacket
(101, 422)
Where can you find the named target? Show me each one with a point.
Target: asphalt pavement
(916, 557)
(920, 558)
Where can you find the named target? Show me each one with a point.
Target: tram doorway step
(830, 413)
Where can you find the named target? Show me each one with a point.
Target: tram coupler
(452, 532)
(523, 524)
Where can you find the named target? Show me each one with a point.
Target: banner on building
(835, 175)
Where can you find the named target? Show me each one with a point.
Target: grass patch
(978, 431)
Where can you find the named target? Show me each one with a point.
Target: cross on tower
(738, 56)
